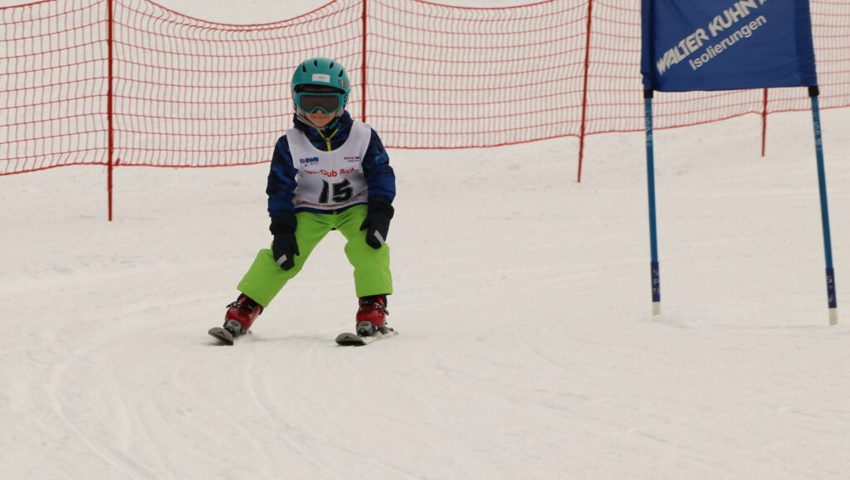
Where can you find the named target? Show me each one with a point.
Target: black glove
(284, 245)
(377, 223)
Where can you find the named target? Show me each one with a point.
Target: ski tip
(349, 340)
(222, 335)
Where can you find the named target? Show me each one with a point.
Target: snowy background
(527, 347)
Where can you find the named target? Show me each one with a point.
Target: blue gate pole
(650, 182)
(824, 209)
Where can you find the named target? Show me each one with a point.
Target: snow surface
(527, 346)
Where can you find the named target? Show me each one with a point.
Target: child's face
(320, 118)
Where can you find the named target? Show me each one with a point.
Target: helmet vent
(304, 68)
(316, 63)
(341, 73)
(331, 65)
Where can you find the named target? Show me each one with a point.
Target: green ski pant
(372, 275)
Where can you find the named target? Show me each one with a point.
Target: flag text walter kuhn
(731, 18)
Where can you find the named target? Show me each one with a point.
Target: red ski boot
(241, 314)
(371, 317)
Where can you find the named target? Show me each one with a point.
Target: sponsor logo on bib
(308, 161)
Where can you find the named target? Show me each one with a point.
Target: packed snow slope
(527, 346)
(527, 349)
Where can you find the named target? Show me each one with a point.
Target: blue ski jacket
(380, 178)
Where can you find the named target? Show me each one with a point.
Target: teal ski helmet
(320, 72)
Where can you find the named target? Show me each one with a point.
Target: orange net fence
(130, 82)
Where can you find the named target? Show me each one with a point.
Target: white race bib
(330, 180)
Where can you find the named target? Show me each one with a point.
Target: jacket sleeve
(281, 183)
(380, 178)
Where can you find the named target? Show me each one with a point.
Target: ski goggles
(311, 102)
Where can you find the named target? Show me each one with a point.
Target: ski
(222, 335)
(348, 339)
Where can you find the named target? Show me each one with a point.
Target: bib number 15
(338, 192)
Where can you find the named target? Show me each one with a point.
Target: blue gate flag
(726, 44)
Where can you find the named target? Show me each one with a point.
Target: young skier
(329, 172)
